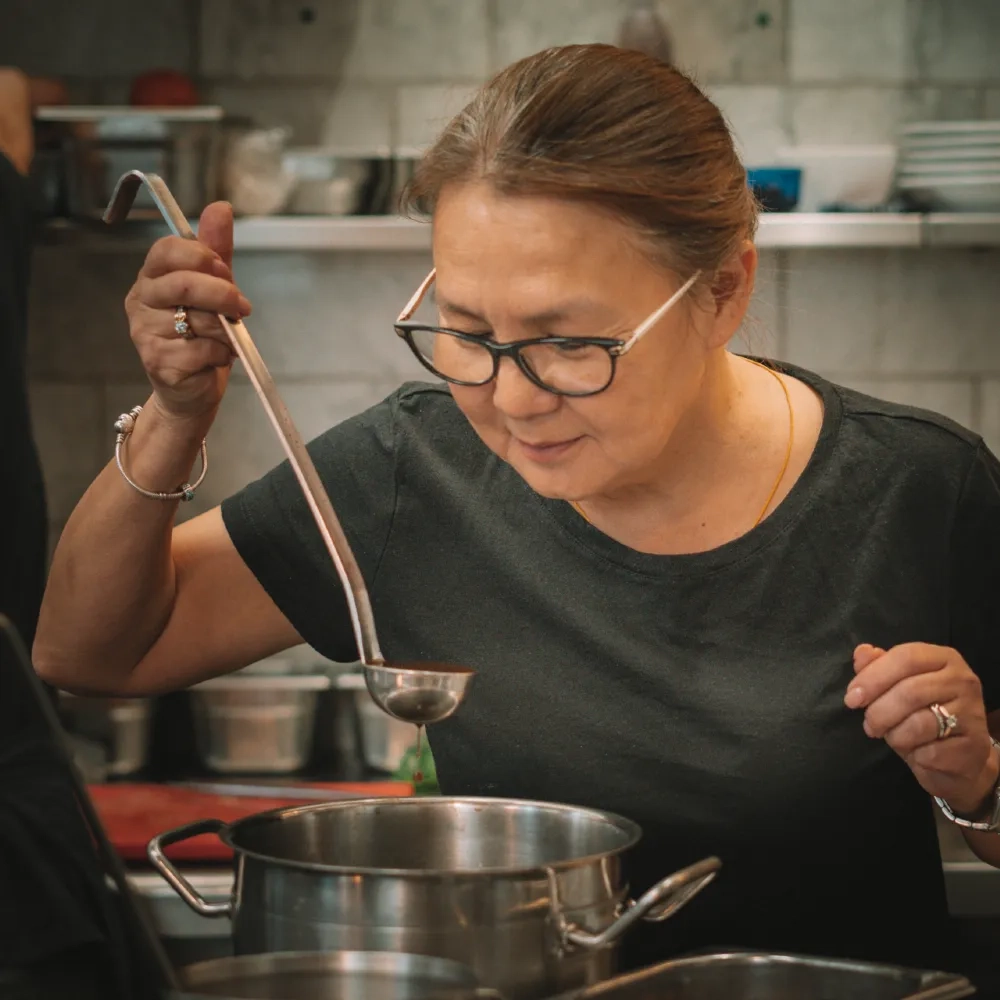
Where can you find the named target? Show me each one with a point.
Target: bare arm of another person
(133, 604)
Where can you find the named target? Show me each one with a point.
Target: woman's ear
(731, 288)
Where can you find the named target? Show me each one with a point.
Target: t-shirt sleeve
(975, 574)
(274, 532)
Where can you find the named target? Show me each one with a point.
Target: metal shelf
(838, 229)
(372, 233)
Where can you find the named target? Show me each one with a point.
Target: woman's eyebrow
(564, 310)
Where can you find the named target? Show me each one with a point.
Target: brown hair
(610, 127)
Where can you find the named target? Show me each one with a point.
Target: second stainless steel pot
(530, 895)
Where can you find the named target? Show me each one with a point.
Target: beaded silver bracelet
(124, 426)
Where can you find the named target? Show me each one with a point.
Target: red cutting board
(134, 813)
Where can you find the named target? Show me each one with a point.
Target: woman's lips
(546, 451)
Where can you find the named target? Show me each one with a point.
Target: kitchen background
(915, 325)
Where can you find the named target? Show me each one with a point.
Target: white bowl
(960, 128)
(974, 193)
(941, 168)
(951, 154)
(854, 176)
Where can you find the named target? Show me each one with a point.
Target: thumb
(215, 229)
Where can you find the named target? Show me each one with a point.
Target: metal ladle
(414, 693)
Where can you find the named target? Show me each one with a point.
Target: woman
(717, 596)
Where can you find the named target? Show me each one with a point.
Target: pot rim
(631, 829)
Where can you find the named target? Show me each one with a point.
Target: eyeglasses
(566, 366)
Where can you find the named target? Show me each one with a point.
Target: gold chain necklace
(788, 450)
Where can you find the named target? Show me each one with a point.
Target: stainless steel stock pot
(529, 895)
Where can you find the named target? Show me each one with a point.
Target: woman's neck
(709, 483)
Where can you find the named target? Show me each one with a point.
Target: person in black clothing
(752, 610)
(56, 917)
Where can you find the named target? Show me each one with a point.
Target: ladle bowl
(416, 693)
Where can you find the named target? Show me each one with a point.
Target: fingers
(912, 695)
(915, 731)
(865, 654)
(215, 229)
(173, 361)
(206, 324)
(881, 673)
(173, 253)
(193, 290)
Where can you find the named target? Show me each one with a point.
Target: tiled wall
(918, 326)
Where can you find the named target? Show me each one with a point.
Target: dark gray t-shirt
(700, 695)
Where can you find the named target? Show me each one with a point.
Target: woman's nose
(515, 395)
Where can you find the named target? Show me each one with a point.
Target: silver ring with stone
(182, 324)
(947, 723)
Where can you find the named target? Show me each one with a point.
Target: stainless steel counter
(973, 886)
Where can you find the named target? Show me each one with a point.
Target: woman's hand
(896, 689)
(188, 376)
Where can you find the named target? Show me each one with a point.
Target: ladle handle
(362, 619)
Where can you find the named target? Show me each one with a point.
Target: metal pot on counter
(529, 895)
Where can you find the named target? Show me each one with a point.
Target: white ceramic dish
(921, 129)
(942, 168)
(949, 154)
(975, 193)
(855, 176)
(949, 142)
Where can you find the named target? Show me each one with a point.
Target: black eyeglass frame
(407, 328)
(616, 348)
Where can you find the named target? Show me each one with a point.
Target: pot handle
(658, 903)
(183, 888)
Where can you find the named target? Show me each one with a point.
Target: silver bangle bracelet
(991, 824)
(124, 426)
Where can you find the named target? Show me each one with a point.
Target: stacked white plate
(951, 166)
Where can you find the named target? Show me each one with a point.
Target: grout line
(976, 404)
(781, 313)
(492, 36)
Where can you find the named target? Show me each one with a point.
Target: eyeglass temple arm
(643, 328)
(418, 296)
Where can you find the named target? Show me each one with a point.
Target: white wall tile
(845, 114)
(358, 115)
(422, 111)
(527, 26)
(851, 40)
(835, 309)
(723, 41)
(432, 40)
(317, 114)
(76, 314)
(72, 444)
(956, 40)
(318, 315)
(716, 40)
(762, 331)
(242, 445)
(942, 103)
(941, 312)
(990, 419)
(109, 38)
(251, 39)
(952, 398)
(757, 117)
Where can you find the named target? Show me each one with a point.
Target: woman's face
(522, 267)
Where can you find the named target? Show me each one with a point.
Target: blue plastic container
(776, 188)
